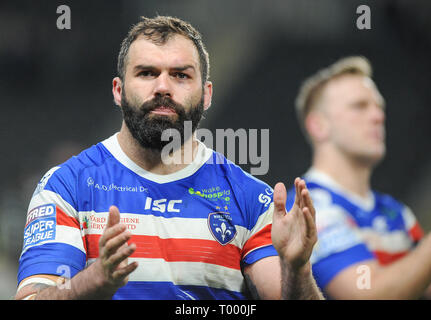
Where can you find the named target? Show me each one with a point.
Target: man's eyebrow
(150, 67)
(183, 68)
(143, 67)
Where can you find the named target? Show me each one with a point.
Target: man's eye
(360, 105)
(146, 73)
(181, 75)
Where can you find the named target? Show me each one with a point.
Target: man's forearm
(298, 284)
(85, 285)
(407, 278)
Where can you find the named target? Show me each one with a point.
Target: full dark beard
(147, 129)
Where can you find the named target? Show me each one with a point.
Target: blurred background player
(369, 244)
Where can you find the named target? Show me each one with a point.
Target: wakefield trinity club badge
(222, 227)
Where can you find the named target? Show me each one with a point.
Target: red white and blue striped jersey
(353, 229)
(194, 229)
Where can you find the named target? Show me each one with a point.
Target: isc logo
(162, 205)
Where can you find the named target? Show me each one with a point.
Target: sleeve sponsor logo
(44, 211)
(41, 224)
(266, 198)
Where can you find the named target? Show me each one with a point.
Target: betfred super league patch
(41, 223)
(222, 227)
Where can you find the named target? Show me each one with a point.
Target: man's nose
(378, 113)
(163, 85)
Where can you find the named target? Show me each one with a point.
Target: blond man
(370, 246)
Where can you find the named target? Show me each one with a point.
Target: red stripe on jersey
(259, 239)
(64, 220)
(91, 243)
(386, 258)
(178, 250)
(416, 232)
(84, 242)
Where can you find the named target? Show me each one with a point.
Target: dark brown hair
(159, 30)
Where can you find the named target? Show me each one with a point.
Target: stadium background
(55, 86)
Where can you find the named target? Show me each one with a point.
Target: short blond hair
(312, 88)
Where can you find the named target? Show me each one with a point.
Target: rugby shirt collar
(365, 203)
(202, 155)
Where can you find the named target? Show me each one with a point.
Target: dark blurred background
(55, 86)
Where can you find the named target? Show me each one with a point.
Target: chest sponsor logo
(162, 205)
(41, 223)
(114, 187)
(222, 227)
(212, 193)
(96, 221)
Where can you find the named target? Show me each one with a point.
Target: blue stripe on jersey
(385, 206)
(260, 253)
(327, 268)
(136, 290)
(47, 258)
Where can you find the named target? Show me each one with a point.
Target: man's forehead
(176, 51)
(350, 85)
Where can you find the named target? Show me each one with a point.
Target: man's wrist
(99, 287)
(303, 270)
(298, 282)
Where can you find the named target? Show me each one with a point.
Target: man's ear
(208, 93)
(317, 126)
(117, 90)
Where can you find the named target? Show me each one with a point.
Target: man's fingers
(299, 186)
(114, 216)
(113, 228)
(308, 202)
(111, 232)
(121, 273)
(121, 255)
(113, 244)
(280, 198)
(308, 210)
(310, 224)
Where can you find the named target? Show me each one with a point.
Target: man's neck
(352, 175)
(153, 160)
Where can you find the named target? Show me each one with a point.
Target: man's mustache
(158, 102)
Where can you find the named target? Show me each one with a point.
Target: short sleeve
(259, 243)
(413, 227)
(52, 237)
(339, 244)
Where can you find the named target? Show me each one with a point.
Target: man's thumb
(114, 216)
(280, 198)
